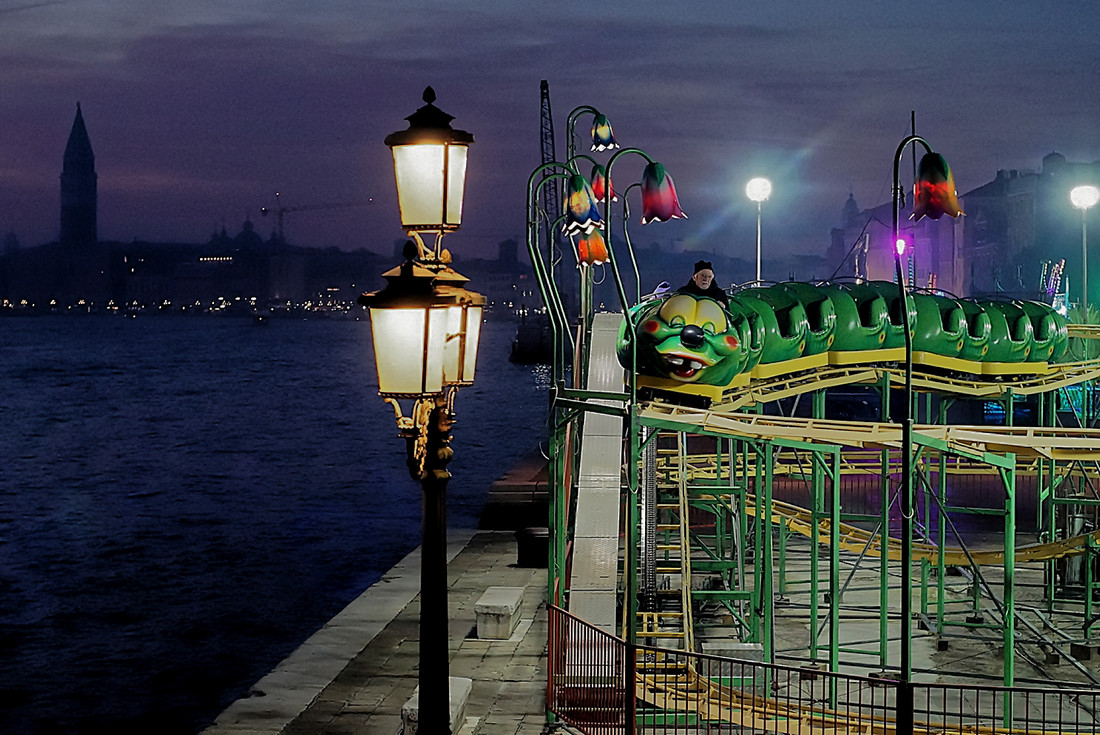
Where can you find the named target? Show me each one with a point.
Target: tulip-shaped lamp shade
(581, 213)
(592, 249)
(425, 330)
(934, 193)
(429, 164)
(603, 137)
(601, 185)
(659, 201)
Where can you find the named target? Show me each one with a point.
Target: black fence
(601, 685)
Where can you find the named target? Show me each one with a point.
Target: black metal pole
(904, 700)
(434, 674)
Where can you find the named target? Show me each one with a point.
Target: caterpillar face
(689, 339)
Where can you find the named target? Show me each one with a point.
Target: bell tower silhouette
(78, 187)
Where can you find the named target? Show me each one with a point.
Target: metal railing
(601, 685)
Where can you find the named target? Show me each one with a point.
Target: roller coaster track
(1034, 441)
(973, 441)
(668, 684)
(781, 387)
(858, 540)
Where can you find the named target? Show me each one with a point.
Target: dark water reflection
(183, 501)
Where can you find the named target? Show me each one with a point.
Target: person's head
(704, 275)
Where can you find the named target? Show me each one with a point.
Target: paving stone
(380, 659)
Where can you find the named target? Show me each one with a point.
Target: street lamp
(933, 196)
(758, 190)
(1083, 198)
(429, 166)
(425, 327)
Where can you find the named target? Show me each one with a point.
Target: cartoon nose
(692, 336)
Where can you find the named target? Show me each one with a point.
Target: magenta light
(900, 245)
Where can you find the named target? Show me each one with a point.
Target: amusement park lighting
(935, 188)
(1083, 198)
(758, 190)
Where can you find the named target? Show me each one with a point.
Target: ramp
(595, 555)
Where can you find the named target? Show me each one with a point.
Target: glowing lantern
(601, 185)
(592, 249)
(581, 214)
(603, 137)
(429, 164)
(934, 192)
(659, 201)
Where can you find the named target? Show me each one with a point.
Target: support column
(434, 654)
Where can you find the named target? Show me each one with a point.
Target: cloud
(231, 102)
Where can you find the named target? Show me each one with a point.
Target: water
(183, 501)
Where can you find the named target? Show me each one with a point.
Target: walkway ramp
(595, 555)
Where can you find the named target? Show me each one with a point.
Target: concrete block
(497, 612)
(459, 687)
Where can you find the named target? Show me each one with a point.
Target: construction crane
(280, 211)
(551, 193)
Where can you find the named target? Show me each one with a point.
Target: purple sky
(200, 111)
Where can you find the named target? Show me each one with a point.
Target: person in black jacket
(702, 284)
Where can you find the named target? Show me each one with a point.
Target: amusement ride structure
(832, 507)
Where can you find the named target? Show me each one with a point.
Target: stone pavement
(354, 674)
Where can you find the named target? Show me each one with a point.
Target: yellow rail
(858, 540)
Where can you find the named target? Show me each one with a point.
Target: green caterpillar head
(686, 338)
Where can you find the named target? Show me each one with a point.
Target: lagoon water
(184, 500)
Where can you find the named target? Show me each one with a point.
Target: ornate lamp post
(429, 164)
(1084, 198)
(758, 190)
(425, 327)
(933, 196)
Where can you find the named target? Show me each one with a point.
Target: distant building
(1022, 220)
(1015, 229)
(79, 271)
(78, 188)
(862, 247)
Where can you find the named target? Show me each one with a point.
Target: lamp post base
(459, 688)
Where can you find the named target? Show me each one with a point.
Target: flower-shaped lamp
(603, 137)
(659, 201)
(934, 193)
(601, 185)
(581, 214)
(592, 249)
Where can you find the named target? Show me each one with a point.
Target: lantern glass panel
(473, 334)
(456, 184)
(434, 358)
(399, 350)
(452, 345)
(419, 173)
(421, 170)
